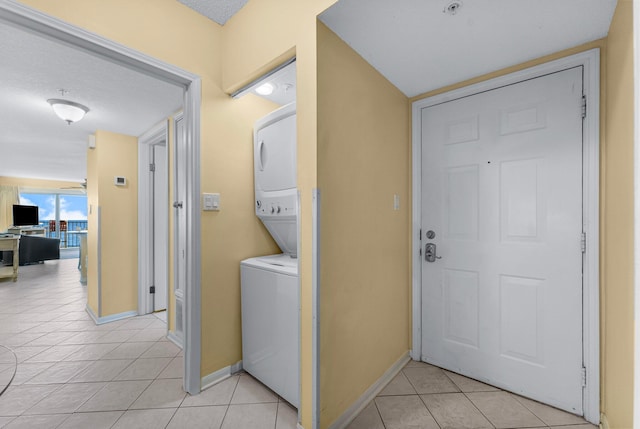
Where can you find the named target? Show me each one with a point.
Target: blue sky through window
(72, 207)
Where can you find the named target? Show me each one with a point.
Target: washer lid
(281, 264)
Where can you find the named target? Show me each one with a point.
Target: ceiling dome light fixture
(265, 89)
(453, 7)
(68, 111)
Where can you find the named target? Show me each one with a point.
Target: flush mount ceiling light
(453, 7)
(67, 110)
(265, 89)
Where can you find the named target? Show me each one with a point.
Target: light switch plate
(210, 202)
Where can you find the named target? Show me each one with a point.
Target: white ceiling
(418, 47)
(34, 142)
(217, 10)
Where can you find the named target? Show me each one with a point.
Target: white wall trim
(158, 134)
(590, 60)
(636, 224)
(111, 318)
(99, 257)
(171, 336)
(177, 293)
(35, 21)
(299, 252)
(315, 310)
(192, 307)
(220, 375)
(369, 395)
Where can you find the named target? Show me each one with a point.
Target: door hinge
(152, 289)
(152, 167)
(584, 376)
(584, 106)
(583, 242)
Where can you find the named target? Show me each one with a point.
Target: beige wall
(261, 35)
(617, 256)
(194, 43)
(114, 155)
(364, 158)
(232, 234)
(23, 182)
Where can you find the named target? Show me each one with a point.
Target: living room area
(40, 221)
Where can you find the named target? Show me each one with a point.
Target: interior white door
(160, 227)
(502, 204)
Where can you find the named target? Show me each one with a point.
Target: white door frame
(590, 60)
(178, 335)
(158, 134)
(32, 20)
(636, 223)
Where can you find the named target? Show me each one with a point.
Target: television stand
(28, 230)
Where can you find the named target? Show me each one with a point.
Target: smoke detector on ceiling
(452, 7)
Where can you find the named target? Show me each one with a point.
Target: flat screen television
(25, 215)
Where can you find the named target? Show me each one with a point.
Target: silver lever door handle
(177, 204)
(430, 252)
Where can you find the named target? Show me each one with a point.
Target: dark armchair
(37, 249)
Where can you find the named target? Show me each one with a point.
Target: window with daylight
(59, 214)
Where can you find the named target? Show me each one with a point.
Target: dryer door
(274, 155)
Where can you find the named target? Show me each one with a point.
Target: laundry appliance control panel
(276, 206)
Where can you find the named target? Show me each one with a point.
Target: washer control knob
(278, 209)
(258, 203)
(273, 209)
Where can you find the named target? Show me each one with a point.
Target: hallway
(125, 374)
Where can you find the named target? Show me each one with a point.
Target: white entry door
(160, 226)
(502, 211)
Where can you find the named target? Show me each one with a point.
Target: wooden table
(11, 244)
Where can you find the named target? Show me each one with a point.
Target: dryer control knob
(278, 210)
(259, 203)
(273, 209)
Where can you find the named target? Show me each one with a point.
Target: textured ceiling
(34, 142)
(419, 47)
(217, 10)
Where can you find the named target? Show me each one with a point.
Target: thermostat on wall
(120, 180)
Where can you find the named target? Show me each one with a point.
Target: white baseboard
(355, 409)
(220, 375)
(604, 423)
(236, 367)
(112, 318)
(171, 336)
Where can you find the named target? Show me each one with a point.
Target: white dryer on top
(274, 157)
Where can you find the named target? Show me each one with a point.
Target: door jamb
(156, 135)
(24, 17)
(590, 60)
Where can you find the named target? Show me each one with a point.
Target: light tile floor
(426, 397)
(73, 374)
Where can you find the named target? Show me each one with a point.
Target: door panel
(502, 191)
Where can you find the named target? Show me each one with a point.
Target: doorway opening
(587, 222)
(28, 19)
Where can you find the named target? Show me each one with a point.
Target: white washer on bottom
(270, 323)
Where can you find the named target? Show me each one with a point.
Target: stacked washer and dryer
(270, 291)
